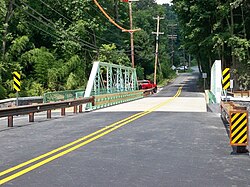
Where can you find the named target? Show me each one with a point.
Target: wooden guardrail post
(31, 117)
(48, 114)
(10, 121)
(80, 108)
(62, 111)
(93, 101)
(75, 110)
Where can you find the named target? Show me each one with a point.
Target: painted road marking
(76, 144)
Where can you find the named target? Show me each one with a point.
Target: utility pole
(157, 44)
(131, 31)
(173, 37)
(131, 35)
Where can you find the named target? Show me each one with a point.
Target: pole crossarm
(132, 31)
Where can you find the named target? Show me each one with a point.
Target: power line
(112, 21)
(85, 42)
(97, 11)
(72, 22)
(55, 35)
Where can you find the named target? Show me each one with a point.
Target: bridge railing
(210, 97)
(106, 100)
(60, 95)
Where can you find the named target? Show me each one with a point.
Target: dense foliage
(53, 43)
(217, 29)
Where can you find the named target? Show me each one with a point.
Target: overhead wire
(111, 20)
(56, 36)
(72, 22)
(98, 12)
(85, 42)
(53, 35)
(94, 50)
(51, 27)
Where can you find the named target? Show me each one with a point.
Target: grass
(165, 82)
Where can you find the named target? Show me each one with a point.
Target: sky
(163, 1)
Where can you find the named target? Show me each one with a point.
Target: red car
(146, 84)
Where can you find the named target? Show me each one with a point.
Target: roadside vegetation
(217, 29)
(53, 43)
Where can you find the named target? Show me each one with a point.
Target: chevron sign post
(17, 84)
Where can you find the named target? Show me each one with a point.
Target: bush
(3, 92)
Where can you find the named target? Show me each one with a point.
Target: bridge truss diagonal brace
(108, 78)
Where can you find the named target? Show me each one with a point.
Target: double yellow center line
(63, 150)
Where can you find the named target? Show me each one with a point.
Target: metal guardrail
(94, 102)
(241, 93)
(31, 109)
(228, 107)
(148, 92)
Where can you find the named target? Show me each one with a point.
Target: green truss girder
(110, 78)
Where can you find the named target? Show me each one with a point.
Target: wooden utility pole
(131, 35)
(173, 37)
(131, 31)
(157, 44)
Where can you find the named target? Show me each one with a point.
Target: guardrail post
(80, 109)
(48, 114)
(62, 111)
(93, 101)
(10, 121)
(31, 117)
(75, 109)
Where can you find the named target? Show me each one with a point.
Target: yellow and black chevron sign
(226, 78)
(239, 128)
(17, 79)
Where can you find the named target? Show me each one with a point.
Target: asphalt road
(158, 147)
